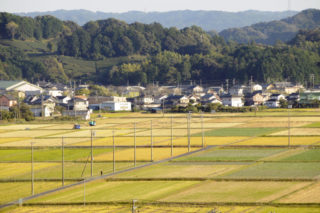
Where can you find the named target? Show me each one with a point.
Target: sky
(13, 6)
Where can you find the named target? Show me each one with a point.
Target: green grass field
(307, 155)
(278, 170)
(231, 155)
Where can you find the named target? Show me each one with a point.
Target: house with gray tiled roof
(20, 86)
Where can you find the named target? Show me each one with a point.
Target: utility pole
(135, 147)
(163, 108)
(251, 83)
(289, 107)
(91, 153)
(1, 109)
(188, 125)
(62, 161)
(84, 191)
(113, 152)
(42, 109)
(202, 130)
(171, 137)
(312, 80)
(151, 151)
(32, 171)
(227, 81)
(134, 206)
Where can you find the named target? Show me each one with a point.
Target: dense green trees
(111, 38)
(22, 28)
(167, 55)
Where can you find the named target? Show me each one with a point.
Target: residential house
(309, 97)
(22, 87)
(287, 87)
(78, 107)
(176, 100)
(145, 102)
(293, 98)
(63, 100)
(215, 90)
(7, 101)
(130, 91)
(116, 104)
(254, 99)
(194, 99)
(160, 99)
(192, 89)
(95, 102)
(232, 100)
(210, 99)
(166, 90)
(54, 92)
(237, 90)
(274, 100)
(41, 105)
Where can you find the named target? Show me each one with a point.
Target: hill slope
(270, 32)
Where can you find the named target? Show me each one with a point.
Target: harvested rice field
(232, 162)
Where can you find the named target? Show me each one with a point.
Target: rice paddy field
(225, 162)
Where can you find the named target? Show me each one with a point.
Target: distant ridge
(270, 32)
(207, 20)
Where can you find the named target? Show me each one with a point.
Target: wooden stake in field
(32, 172)
(62, 147)
(151, 146)
(134, 134)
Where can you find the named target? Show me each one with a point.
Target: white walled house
(116, 106)
(256, 87)
(274, 100)
(41, 104)
(63, 99)
(55, 92)
(78, 107)
(232, 100)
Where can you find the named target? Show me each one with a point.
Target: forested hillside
(114, 52)
(272, 32)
